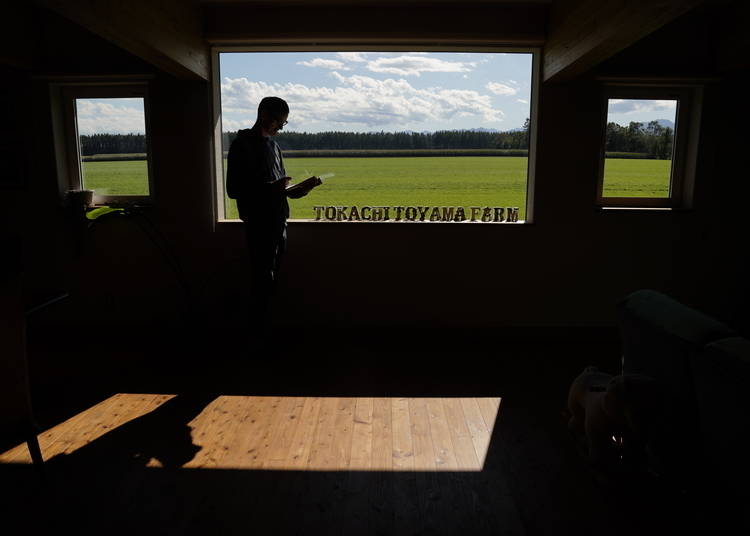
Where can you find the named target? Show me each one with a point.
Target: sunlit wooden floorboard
(302, 433)
(89, 425)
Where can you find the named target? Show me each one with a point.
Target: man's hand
(304, 187)
(281, 183)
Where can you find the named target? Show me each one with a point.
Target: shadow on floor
(533, 481)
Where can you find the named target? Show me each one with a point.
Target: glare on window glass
(112, 135)
(391, 129)
(639, 142)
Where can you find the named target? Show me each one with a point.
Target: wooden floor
(288, 465)
(365, 436)
(301, 433)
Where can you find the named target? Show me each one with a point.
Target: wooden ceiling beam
(411, 23)
(167, 33)
(583, 33)
(14, 47)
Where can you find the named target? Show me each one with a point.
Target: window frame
(69, 143)
(684, 149)
(217, 152)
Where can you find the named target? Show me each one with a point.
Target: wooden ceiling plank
(498, 24)
(584, 33)
(167, 33)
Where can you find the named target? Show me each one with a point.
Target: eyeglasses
(282, 123)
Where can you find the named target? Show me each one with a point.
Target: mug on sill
(81, 198)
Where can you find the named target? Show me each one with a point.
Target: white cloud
(415, 65)
(630, 106)
(121, 116)
(230, 125)
(352, 56)
(357, 101)
(326, 64)
(522, 101)
(501, 89)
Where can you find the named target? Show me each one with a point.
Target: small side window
(107, 142)
(649, 145)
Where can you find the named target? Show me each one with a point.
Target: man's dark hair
(275, 106)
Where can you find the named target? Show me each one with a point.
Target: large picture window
(396, 135)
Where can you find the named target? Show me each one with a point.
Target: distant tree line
(112, 144)
(336, 140)
(441, 139)
(651, 139)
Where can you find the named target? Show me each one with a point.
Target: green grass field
(407, 181)
(636, 178)
(116, 178)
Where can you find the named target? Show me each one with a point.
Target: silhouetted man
(256, 178)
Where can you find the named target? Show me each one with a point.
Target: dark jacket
(249, 177)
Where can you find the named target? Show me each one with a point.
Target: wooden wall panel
(504, 25)
(584, 33)
(167, 33)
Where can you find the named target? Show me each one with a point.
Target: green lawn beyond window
(116, 178)
(407, 181)
(636, 178)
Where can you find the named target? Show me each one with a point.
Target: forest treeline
(441, 139)
(112, 144)
(336, 140)
(650, 140)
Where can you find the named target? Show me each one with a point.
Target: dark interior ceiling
(373, 2)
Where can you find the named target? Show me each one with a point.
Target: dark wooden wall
(567, 269)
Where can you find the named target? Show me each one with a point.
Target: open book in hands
(302, 188)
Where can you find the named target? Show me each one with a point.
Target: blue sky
(114, 116)
(623, 111)
(374, 91)
(370, 92)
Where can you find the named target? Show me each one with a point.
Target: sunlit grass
(636, 178)
(406, 181)
(116, 178)
(409, 181)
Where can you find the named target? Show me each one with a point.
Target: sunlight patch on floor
(279, 433)
(89, 425)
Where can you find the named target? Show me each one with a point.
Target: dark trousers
(266, 248)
